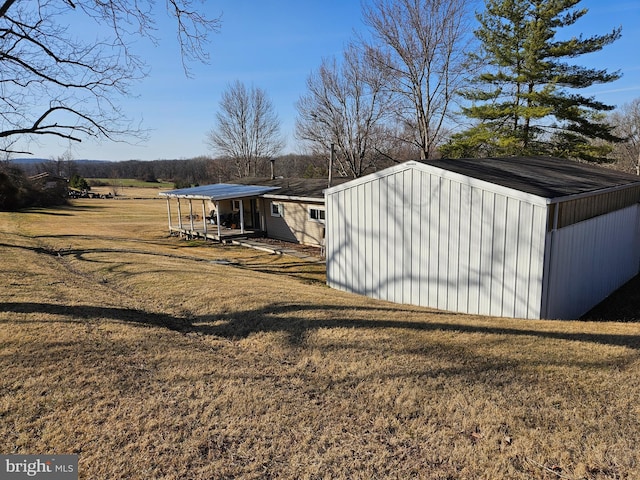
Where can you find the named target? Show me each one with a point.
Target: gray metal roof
(296, 187)
(219, 191)
(546, 177)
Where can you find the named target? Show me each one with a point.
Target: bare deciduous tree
(54, 83)
(626, 123)
(247, 128)
(421, 46)
(346, 105)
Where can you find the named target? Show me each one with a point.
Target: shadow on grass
(80, 253)
(292, 320)
(61, 210)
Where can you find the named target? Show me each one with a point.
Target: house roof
(312, 188)
(47, 176)
(546, 177)
(219, 191)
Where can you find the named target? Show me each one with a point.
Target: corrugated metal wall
(587, 261)
(415, 237)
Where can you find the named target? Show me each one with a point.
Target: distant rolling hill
(36, 161)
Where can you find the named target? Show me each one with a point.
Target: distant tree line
(184, 172)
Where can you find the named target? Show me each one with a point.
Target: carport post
(179, 216)
(169, 213)
(241, 217)
(218, 220)
(191, 214)
(204, 218)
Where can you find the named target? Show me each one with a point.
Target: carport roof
(219, 191)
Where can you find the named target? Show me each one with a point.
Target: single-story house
(526, 237)
(287, 209)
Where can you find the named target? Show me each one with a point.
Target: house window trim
(317, 220)
(279, 209)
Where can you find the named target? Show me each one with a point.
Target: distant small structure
(49, 181)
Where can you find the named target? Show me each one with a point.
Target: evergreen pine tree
(526, 102)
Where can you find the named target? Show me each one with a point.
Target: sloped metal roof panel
(219, 191)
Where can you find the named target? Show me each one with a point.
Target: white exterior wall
(414, 235)
(587, 261)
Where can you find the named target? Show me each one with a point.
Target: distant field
(131, 182)
(130, 188)
(157, 358)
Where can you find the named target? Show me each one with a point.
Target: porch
(218, 212)
(226, 234)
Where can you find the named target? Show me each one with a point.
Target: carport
(213, 194)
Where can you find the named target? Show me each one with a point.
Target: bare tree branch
(346, 105)
(626, 124)
(247, 129)
(420, 46)
(47, 72)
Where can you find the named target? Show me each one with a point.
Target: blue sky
(275, 45)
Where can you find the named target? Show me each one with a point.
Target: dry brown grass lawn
(152, 357)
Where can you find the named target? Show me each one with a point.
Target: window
(316, 214)
(235, 205)
(277, 209)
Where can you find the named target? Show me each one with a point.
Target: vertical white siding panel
(464, 252)
(375, 259)
(453, 266)
(396, 232)
(382, 240)
(498, 253)
(405, 196)
(383, 258)
(486, 252)
(386, 237)
(434, 249)
(369, 233)
(361, 241)
(336, 248)
(425, 226)
(349, 259)
(329, 240)
(536, 272)
(443, 243)
(511, 261)
(341, 248)
(475, 240)
(345, 248)
(416, 239)
(355, 229)
(522, 241)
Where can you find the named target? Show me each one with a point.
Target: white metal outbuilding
(531, 237)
